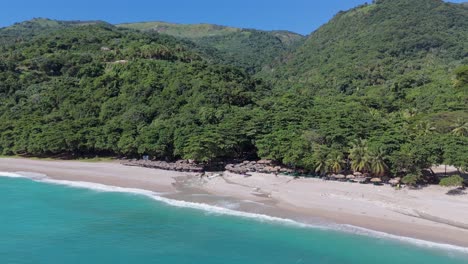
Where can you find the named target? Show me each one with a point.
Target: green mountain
(36, 26)
(403, 52)
(378, 45)
(383, 72)
(190, 31)
(97, 89)
(247, 48)
(381, 88)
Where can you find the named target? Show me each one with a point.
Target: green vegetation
(411, 179)
(383, 84)
(96, 89)
(247, 48)
(381, 89)
(183, 30)
(452, 181)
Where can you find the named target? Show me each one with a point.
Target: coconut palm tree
(359, 155)
(460, 128)
(320, 158)
(335, 162)
(378, 165)
(321, 166)
(409, 113)
(425, 128)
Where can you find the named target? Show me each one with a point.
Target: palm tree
(321, 166)
(320, 158)
(359, 155)
(460, 128)
(425, 128)
(409, 113)
(378, 165)
(335, 162)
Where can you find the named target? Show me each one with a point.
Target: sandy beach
(429, 213)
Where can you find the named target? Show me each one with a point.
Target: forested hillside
(27, 29)
(382, 88)
(390, 74)
(247, 48)
(98, 89)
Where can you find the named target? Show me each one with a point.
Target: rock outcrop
(262, 166)
(180, 165)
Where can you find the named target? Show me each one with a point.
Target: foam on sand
(226, 211)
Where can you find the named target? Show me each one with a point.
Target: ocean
(46, 221)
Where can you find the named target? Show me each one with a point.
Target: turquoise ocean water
(49, 223)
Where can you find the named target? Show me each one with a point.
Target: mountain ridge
(248, 48)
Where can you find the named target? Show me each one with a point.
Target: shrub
(411, 179)
(452, 181)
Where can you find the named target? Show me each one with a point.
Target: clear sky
(302, 16)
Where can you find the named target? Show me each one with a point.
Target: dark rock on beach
(180, 165)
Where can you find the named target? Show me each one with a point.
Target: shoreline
(428, 214)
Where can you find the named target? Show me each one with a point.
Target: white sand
(428, 213)
(402, 212)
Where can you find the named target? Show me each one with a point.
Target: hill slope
(35, 26)
(382, 88)
(384, 73)
(374, 45)
(96, 89)
(247, 48)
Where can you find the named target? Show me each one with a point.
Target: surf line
(225, 211)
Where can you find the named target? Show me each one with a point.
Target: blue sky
(302, 16)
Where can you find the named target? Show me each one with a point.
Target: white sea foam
(12, 175)
(99, 187)
(226, 211)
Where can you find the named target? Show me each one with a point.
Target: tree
(424, 128)
(461, 77)
(335, 162)
(320, 159)
(460, 128)
(378, 164)
(359, 155)
(203, 148)
(454, 151)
